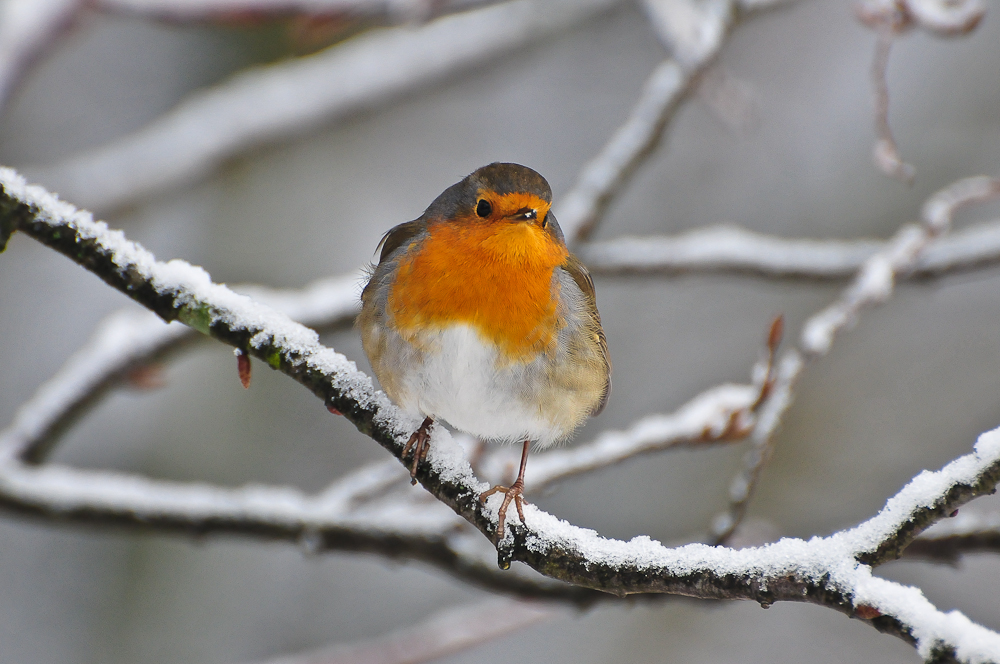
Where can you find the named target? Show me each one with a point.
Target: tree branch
(832, 571)
(694, 33)
(130, 340)
(948, 540)
(891, 18)
(734, 249)
(874, 284)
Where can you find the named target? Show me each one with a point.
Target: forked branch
(832, 571)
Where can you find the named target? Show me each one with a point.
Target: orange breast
(493, 276)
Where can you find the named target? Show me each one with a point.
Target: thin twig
(443, 633)
(695, 34)
(824, 571)
(890, 18)
(886, 152)
(873, 284)
(950, 539)
(128, 340)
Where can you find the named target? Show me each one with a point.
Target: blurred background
(909, 388)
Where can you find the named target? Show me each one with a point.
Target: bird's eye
(483, 209)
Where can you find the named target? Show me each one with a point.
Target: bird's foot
(420, 442)
(513, 493)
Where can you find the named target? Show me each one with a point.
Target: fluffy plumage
(487, 321)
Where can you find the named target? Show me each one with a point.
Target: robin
(478, 315)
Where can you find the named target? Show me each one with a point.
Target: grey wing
(581, 277)
(380, 275)
(378, 341)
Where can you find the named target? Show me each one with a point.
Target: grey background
(909, 388)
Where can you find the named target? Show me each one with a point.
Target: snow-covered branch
(268, 103)
(694, 33)
(890, 18)
(735, 249)
(130, 340)
(873, 284)
(944, 18)
(833, 571)
(721, 414)
(876, 278)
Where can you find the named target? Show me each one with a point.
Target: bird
(477, 314)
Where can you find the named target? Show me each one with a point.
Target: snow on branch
(891, 18)
(720, 414)
(833, 571)
(129, 341)
(873, 284)
(944, 18)
(735, 249)
(876, 278)
(602, 177)
(267, 103)
(694, 33)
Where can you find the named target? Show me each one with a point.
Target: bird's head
(510, 203)
(497, 194)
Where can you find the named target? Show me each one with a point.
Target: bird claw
(420, 442)
(512, 493)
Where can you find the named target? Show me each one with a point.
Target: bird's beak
(525, 214)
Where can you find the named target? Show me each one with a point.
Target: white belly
(458, 379)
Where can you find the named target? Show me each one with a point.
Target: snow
(830, 561)
(705, 415)
(627, 146)
(117, 341)
(62, 489)
(734, 248)
(730, 247)
(129, 335)
(192, 290)
(924, 491)
(874, 284)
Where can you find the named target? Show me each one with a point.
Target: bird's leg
(515, 493)
(420, 441)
